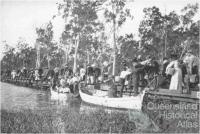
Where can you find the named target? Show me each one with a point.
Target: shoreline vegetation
(68, 121)
(100, 120)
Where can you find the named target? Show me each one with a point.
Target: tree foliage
(84, 35)
(82, 26)
(16, 58)
(44, 39)
(173, 30)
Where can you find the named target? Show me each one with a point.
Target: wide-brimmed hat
(139, 56)
(94, 64)
(56, 69)
(105, 63)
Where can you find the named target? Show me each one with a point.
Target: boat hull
(58, 95)
(126, 102)
(63, 95)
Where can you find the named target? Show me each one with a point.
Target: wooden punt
(98, 97)
(167, 94)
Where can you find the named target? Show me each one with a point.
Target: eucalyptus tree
(129, 47)
(190, 29)
(45, 36)
(8, 60)
(23, 51)
(81, 25)
(116, 13)
(170, 33)
(151, 30)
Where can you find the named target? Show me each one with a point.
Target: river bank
(34, 111)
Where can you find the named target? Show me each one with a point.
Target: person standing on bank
(174, 69)
(123, 76)
(135, 76)
(192, 62)
(165, 64)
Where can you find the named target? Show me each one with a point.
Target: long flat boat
(193, 97)
(101, 98)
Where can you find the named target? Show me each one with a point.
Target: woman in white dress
(176, 79)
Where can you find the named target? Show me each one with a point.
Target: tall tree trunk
(75, 55)
(66, 58)
(38, 56)
(165, 44)
(67, 52)
(114, 45)
(48, 61)
(88, 58)
(199, 59)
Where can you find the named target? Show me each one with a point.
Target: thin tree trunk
(88, 58)
(48, 60)
(75, 55)
(114, 45)
(38, 56)
(65, 60)
(199, 58)
(165, 44)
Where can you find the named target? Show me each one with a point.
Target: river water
(18, 98)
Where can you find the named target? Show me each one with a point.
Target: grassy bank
(56, 121)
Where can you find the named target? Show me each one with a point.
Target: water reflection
(16, 98)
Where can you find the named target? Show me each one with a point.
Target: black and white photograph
(100, 66)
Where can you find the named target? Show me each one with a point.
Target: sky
(19, 18)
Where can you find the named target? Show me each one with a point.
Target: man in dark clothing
(50, 74)
(24, 72)
(40, 72)
(122, 79)
(96, 73)
(55, 79)
(164, 82)
(135, 75)
(90, 74)
(165, 63)
(183, 68)
(155, 65)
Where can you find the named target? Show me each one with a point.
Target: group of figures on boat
(175, 74)
(97, 84)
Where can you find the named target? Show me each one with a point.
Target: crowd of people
(177, 73)
(183, 72)
(180, 74)
(57, 78)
